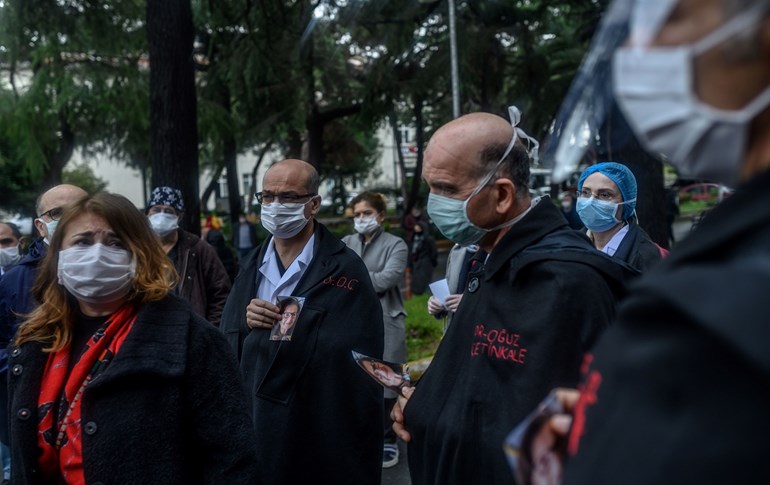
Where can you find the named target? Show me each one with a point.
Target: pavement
(399, 474)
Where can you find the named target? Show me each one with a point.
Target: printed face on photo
(289, 317)
(385, 374)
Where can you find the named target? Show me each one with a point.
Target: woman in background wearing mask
(385, 256)
(606, 205)
(107, 380)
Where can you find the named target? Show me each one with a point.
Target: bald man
(16, 284)
(318, 416)
(528, 313)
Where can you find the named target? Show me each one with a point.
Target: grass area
(423, 331)
(694, 206)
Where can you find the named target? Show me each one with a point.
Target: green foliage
(316, 86)
(423, 331)
(82, 176)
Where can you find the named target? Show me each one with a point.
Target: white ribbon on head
(533, 146)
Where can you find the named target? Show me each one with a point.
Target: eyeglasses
(605, 195)
(54, 214)
(286, 198)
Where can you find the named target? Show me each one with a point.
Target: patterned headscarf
(167, 196)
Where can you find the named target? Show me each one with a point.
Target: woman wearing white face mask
(607, 206)
(385, 256)
(107, 371)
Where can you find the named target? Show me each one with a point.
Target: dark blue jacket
(16, 295)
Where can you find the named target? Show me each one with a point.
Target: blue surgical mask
(598, 215)
(451, 218)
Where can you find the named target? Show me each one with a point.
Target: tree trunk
(58, 160)
(393, 119)
(419, 140)
(254, 170)
(173, 121)
(648, 171)
(211, 187)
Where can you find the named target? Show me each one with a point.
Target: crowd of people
(130, 354)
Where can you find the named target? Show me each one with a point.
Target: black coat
(525, 320)
(685, 373)
(203, 280)
(169, 409)
(637, 249)
(422, 260)
(321, 414)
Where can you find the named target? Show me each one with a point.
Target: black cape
(540, 301)
(318, 415)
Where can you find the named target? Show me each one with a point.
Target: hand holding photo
(289, 309)
(534, 451)
(440, 289)
(389, 375)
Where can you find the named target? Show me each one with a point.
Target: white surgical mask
(365, 225)
(284, 221)
(163, 223)
(97, 273)
(50, 227)
(9, 256)
(654, 88)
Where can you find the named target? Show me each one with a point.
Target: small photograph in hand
(389, 375)
(535, 453)
(289, 307)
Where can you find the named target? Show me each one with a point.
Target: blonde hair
(51, 322)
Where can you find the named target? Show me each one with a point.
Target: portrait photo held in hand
(290, 307)
(389, 375)
(534, 452)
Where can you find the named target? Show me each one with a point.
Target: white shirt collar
(273, 284)
(612, 245)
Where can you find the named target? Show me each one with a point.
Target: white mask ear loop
(740, 24)
(515, 116)
(534, 146)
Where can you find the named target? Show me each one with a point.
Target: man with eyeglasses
(318, 417)
(16, 284)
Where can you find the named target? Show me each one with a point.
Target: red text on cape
(499, 344)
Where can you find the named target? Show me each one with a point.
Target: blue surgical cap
(623, 178)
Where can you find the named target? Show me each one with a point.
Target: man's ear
(506, 195)
(315, 205)
(40, 226)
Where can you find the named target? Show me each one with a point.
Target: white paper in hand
(440, 290)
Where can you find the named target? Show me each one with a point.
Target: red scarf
(59, 437)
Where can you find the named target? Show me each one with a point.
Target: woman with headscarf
(112, 378)
(607, 206)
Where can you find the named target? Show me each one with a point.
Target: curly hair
(51, 322)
